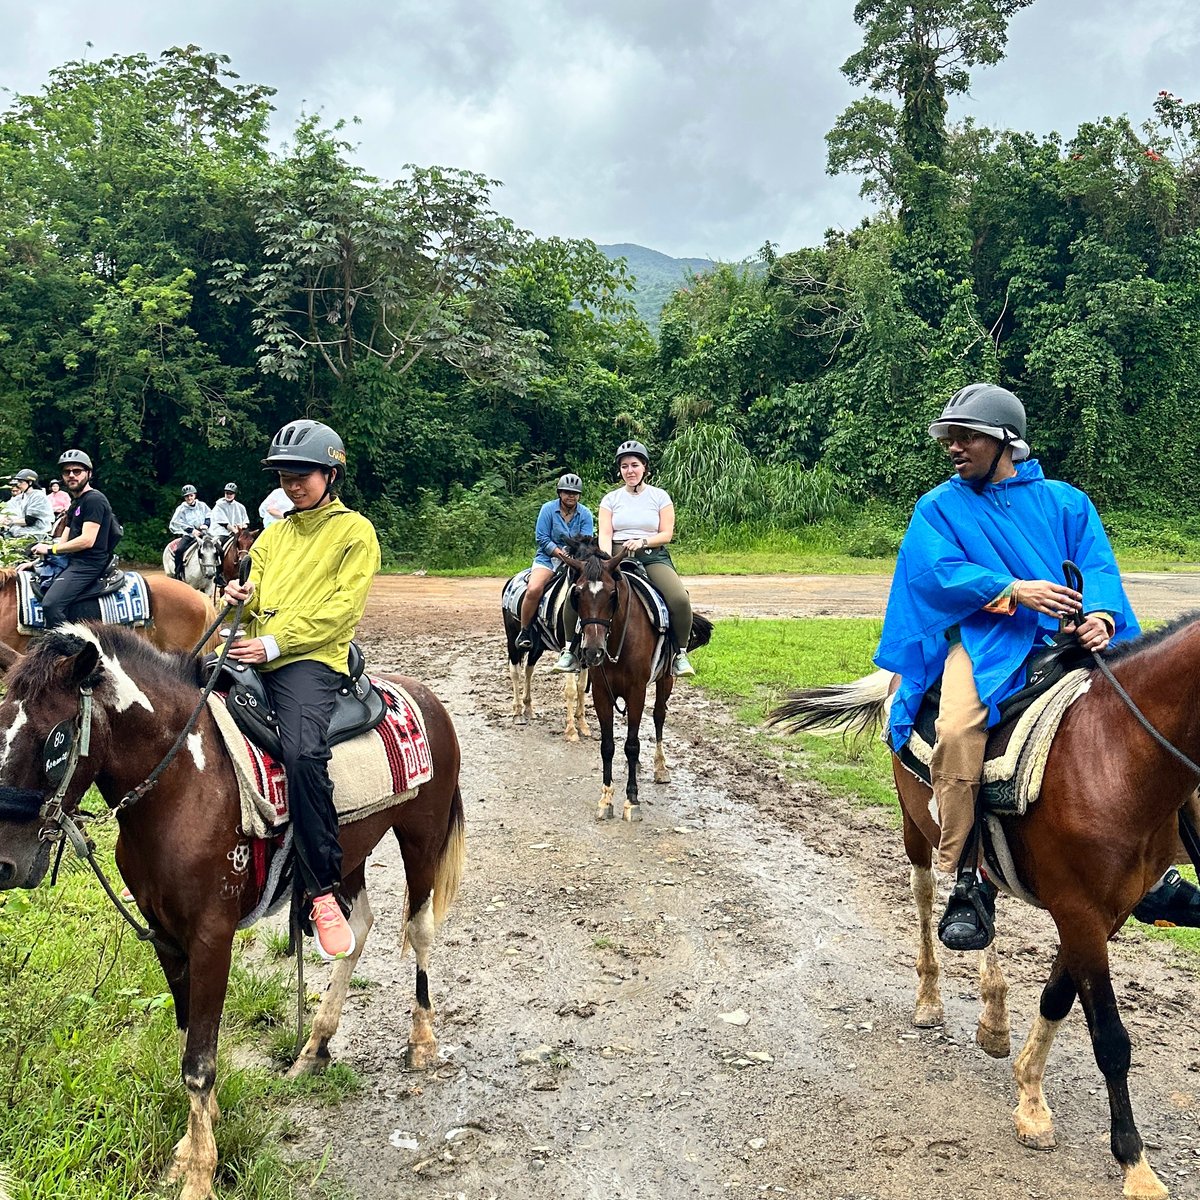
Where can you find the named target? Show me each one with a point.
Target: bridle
(606, 622)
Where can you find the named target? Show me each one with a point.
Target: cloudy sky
(692, 126)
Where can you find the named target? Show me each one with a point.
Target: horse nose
(7, 871)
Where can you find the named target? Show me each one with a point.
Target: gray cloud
(693, 126)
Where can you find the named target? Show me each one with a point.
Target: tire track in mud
(581, 978)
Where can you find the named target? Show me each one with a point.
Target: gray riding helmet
(305, 443)
(187, 490)
(570, 483)
(634, 448)
(230, 487)
(25, 475)
(989, 408)
(75, 458)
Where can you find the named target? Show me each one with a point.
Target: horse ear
(574, 563)
(8, 656)
(78, 667)
(617, 558)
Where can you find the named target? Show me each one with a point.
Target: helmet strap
(1005, 442)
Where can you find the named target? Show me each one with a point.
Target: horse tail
(852, 708)
(702, 629)
(453, 855)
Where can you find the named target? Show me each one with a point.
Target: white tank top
(635, 514)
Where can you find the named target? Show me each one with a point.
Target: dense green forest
(172, 290)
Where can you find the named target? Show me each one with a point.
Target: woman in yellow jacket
(309, 578)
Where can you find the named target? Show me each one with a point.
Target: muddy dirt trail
(583, 980)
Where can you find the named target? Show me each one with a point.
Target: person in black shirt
(92, 534)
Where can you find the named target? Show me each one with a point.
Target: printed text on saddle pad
(368, 771)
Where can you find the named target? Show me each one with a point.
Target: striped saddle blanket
(128, 606)
(371, 772)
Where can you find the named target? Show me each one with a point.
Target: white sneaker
(567, 664)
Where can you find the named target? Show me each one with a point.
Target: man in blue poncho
(972, 598)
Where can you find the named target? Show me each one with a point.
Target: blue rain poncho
(961, 550)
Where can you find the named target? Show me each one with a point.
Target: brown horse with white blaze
(617, 644)
(181, 858)
(179, 614)
(1105, 828)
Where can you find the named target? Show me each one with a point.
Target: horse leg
(195, 1159)
(527, 691)
(419, 866)
(1110, 1043)
(928, 1011)
(514, 678)
(634, 706)
(1032, 1117)
(314, 1058)
(581, 682)
(604, 715)
(662, 692)
(570, 688)
(992, 1034)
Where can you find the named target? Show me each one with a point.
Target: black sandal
(969, 921)
(1174, 902)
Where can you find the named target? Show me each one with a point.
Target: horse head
(208, 553)
(39, 725)
(596, 590)
(234, 549)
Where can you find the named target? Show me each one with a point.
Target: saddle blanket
(1017, 750)
(129, 606)
(371, 772)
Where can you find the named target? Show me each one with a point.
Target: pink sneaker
(335, 938)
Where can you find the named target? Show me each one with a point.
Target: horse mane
(586, 549)
(1147, 641)
(38, 670)
(7, 575)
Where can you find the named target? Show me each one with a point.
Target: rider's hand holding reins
(1053, 599)
(1094, 633)
(236, 592)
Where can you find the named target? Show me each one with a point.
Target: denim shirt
(552, 531)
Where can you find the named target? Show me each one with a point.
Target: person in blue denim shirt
(557, 521)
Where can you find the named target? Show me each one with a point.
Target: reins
(606, 623)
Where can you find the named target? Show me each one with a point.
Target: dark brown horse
(185, 861)
(1103, 831)
(179, 613)
(617, 645)
(234, 548)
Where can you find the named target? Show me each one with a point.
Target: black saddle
(113, 580)
(359, 708)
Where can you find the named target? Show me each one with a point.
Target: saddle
(113, 580)
(360, 706)
(1019, 744)
(648, 594)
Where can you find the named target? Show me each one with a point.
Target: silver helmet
(632, 447)
(306, 444)
(990, 409)
(75, 458)
(570, 483)
(187, 490)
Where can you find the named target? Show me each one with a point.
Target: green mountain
(657, 276)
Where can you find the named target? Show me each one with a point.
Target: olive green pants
(679, 604)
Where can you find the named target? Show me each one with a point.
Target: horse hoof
(584, 731)
(306, 1065)
(604, 812)
(928, 1016)
(663, 776)
(1141, 1183)
(632, 812)
(421, 1056)
(571, 736)
(995, 1043)
(1035, 1137)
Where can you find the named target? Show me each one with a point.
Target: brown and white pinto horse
(185, 861)
(1102, 833)
(179, 613)
(617, 645)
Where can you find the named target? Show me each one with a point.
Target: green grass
(754, 664)
(89, 1059)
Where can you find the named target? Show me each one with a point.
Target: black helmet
(25, 475)
(231, 487)
(634, 448)
(570, 483)
(75, 458)
(990, 409)
(308, 444)
(187, 490)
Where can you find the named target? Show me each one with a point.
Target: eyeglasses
(964, 437)
(74, 470)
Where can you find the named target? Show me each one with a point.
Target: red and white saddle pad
(369, 772)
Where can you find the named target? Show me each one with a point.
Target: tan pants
(957, 764)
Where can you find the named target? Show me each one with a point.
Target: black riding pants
(303, 695)
(66, 589)
(185, 543)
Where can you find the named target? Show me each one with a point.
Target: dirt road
(582, 980)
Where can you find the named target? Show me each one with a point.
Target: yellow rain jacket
(311, 574)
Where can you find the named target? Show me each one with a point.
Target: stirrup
(524, 639)
(969, 920)
(1173, 902)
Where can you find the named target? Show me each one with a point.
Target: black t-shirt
(93, 506)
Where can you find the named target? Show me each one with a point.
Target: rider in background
(557, 521)
(309, 578)
(92, 536)
(28, 513)
(641, 518)
(229, 515)
(188, 520)
(274, 508)
(60, 501)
